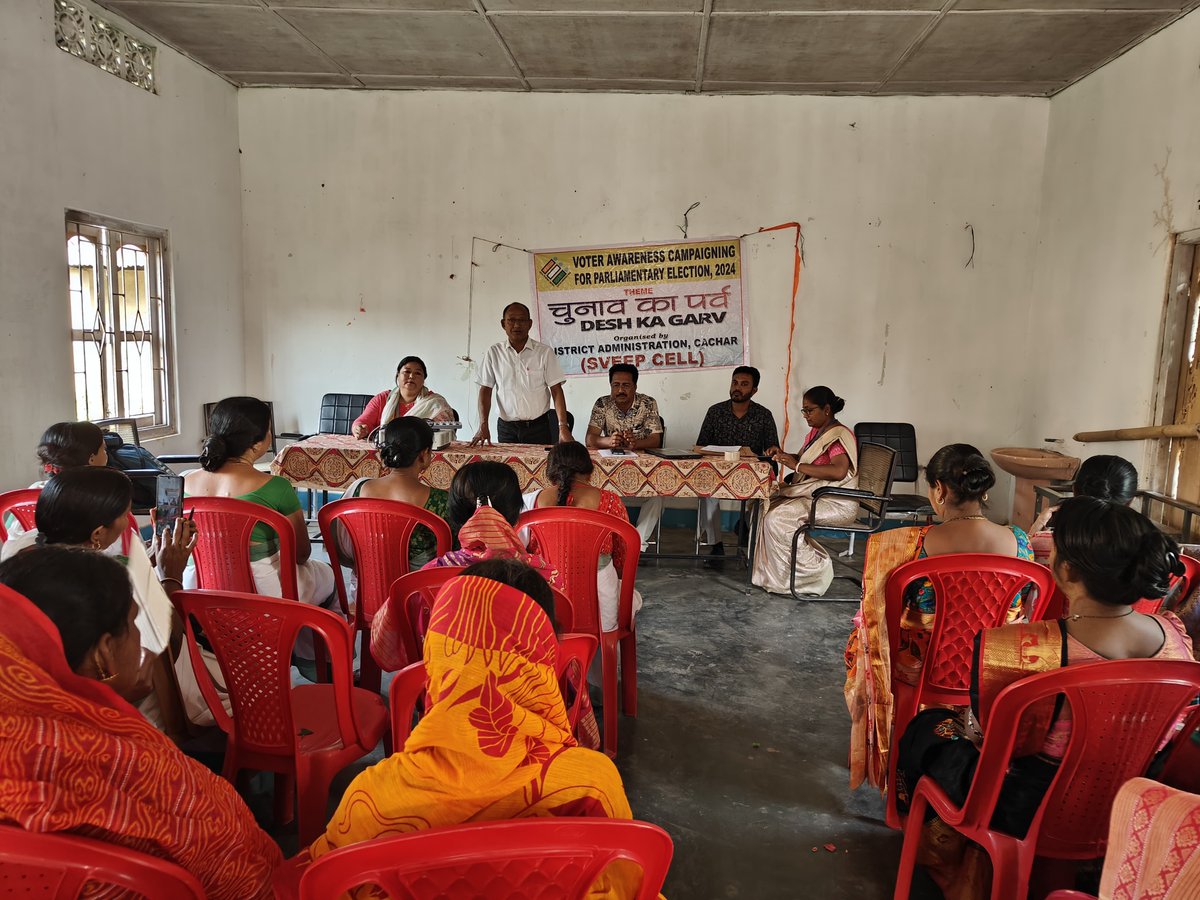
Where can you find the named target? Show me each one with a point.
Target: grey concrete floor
(739, 748)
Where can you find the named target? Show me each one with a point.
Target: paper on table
(713, 448)
(617, 453)
(154, 606)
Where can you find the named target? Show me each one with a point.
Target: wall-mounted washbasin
(1032, 466)
(1035, 463)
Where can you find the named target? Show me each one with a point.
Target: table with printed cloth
(332, 462)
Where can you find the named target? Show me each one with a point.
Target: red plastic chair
(307, 733)
(974, 591)
(57, 866)
(379, 532)
(21, 504)
(547, 858)
(409, 684)
(1120, 711)
(410, 599)
(571, 539)
(1182, 766)
(222, 554)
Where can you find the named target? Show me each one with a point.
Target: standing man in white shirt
(525, 377)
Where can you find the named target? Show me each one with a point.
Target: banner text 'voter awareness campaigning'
(660, 307)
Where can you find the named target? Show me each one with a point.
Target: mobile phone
(168, 505)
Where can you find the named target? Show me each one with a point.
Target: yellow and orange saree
(495, 744)
(75, 757)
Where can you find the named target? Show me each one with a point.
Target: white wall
(1103, 255)
(76, 137)
(359, 209)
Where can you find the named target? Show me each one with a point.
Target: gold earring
(985, 498)
(101, 672)
(96, 545)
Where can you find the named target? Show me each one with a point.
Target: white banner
(660, 307)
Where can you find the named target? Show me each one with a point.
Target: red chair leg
(369, 675)
(908, 852)
(312, 801)
(285, 798)
(629, 675)
(608, 662)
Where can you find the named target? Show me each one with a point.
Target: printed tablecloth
(333, 462)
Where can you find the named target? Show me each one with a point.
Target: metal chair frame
(875, 504)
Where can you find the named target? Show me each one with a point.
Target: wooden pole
(1147, 433)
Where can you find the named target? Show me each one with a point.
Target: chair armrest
(845, 492)
(179, 458)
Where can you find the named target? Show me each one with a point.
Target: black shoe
(716, 550)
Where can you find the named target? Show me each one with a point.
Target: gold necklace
(963, 518)
(1127, 612)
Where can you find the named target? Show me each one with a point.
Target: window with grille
(119, 292)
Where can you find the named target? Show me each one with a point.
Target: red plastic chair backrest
(575, 652)
(974, 591)
(222, 554)
(21, 505)
(379, 532)
(57, 866)
(412, 596)
(409, 684)
(523, 859)
(570, 539)
(252, 637)
(1120, 712)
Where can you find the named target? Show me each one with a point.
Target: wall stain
(1164, 216)
(887, 328)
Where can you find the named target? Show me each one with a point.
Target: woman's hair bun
(1156, 561)
(977, 476)
(1110, 478)
(403, 440)
(214, 453)
(963, 469)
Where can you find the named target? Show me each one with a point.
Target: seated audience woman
(409, 397)
(490, 654)
(1103, 477)
(239, 434)
(64, 445)
(407, 450)
(829, 458)
(88, 508)
(569, 468)
(1105, 558)
(483, 507)
(78, 758)
(959, 478)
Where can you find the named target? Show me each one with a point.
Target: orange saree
(496, 743)
(76, 757)
(868, 688)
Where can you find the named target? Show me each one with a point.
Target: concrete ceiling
(1024, 47)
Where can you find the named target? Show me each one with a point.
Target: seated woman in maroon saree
(1105, 558)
